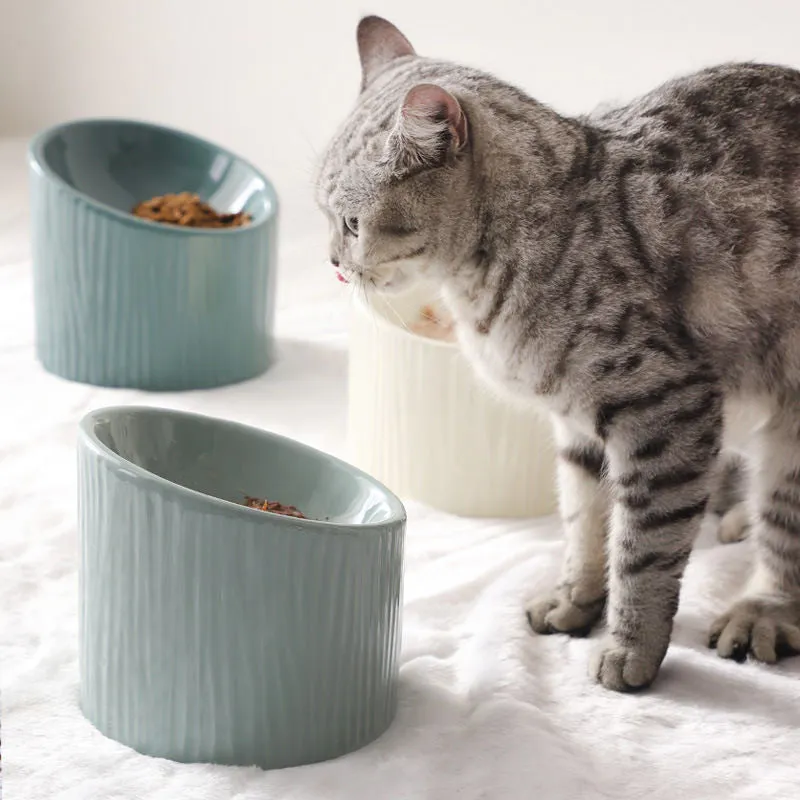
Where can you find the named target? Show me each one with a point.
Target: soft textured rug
(487, 710)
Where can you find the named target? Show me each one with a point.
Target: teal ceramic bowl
(122, 301)
(212, 632)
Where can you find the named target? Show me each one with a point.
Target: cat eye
(351, 223)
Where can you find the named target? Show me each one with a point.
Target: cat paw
(734, 525)
(624, 668)
(565, 611)
(766, 629)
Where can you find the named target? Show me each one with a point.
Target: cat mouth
(342, 278)
(379, 284)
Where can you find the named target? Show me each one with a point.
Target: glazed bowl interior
(119, 163)
(227, 462)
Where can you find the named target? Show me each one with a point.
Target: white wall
(272, 78)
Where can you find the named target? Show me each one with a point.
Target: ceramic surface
(214, 632)
(122, 301)
(424, 424)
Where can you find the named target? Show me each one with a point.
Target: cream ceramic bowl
(422, 423)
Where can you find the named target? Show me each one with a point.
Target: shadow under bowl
(212, 632)
(122, 301)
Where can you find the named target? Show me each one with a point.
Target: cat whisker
(367, 303)
(394, 311)
(364, 287)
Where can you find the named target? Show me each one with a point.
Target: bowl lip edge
(37, 162)
(88, 438)
(363, 305)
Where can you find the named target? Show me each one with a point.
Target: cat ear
(379, 42)
(432, 126)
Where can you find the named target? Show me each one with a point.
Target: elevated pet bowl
(422, 422)
(122, 301)
(214, 632)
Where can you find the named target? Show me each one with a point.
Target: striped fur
(636, 271)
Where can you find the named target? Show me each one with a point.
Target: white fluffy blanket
(487, 710)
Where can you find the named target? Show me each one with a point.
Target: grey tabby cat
(634, 271)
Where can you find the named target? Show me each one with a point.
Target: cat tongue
(341, 277)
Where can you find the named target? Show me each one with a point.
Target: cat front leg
(662, 442)
(577, 602)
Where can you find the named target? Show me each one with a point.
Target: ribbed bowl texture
(122, 301)
(212, 632)
(422, 422)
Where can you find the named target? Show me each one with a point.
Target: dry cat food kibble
(188, 210)
(434, 325)
(273, 507)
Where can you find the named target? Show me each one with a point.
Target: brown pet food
(188, 210)
(432, 325)
(273, 508)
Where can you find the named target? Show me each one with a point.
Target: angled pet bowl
(422, 422)
(122, 301)
(214, 632)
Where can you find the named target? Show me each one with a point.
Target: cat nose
(335, 262)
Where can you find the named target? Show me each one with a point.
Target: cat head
(395, 183)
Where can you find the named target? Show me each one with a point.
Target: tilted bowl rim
(89, 440)
(364, 306)
(38, 163)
